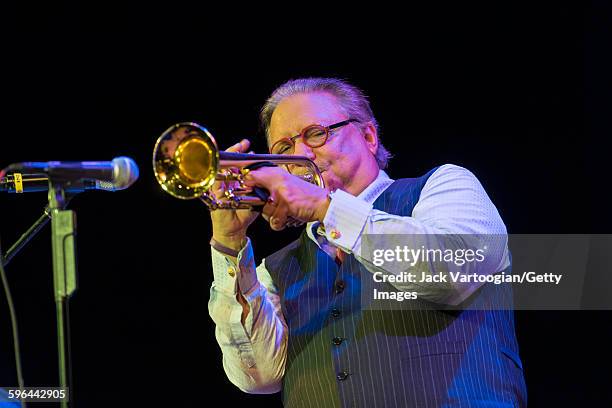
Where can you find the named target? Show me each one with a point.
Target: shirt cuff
(345, 219)
(228, 275)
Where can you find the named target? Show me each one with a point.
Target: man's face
(347, 157)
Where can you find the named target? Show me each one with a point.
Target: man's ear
(371, 137)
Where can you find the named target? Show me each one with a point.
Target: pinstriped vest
(342, 356)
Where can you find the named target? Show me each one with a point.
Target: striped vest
(342, 356)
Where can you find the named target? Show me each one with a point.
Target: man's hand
(230, 226)
(290, 196)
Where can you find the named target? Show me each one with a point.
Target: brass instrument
(187, 162)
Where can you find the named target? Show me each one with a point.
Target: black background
(518, 94)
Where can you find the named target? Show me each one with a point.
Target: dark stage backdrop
(519, 95)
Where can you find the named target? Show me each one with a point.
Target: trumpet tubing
(187, 163)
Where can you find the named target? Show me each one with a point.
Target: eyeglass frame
(326, 129)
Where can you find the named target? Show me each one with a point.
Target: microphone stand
(63, 231)
(27, 236)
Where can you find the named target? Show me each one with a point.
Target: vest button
(335, 313)
(340, 286)
(337, 341)
(342, 375)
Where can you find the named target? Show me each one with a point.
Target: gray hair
(352, 100)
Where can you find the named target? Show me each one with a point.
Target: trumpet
(187, 162)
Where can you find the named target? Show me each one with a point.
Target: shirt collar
(370, 194)
(380, 184)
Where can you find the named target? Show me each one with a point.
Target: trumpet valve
(307, 177)
(210, 200)
(233, 200)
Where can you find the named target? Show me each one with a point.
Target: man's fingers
(219, 187)
(278, 220)
(275, 212)
(240, 147)
(269, 178)
(269, 209)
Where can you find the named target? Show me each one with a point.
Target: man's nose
(302, 149)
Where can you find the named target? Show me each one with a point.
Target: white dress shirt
(452, 201)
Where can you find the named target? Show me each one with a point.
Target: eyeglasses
(312, 136)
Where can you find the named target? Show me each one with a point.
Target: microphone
(118, 174)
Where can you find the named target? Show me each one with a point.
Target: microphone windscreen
(125, 172)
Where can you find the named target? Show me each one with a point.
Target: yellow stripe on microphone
(18, 182)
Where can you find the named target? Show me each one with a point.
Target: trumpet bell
(186, 160)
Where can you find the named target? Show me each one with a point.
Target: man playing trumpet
(297, 323)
